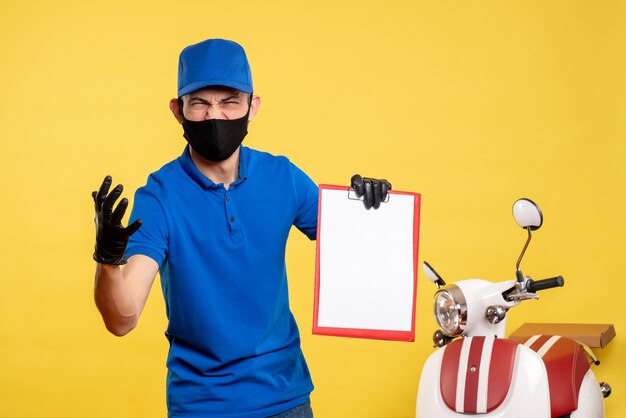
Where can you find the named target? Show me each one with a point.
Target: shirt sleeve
(151, 238)
(307, 195)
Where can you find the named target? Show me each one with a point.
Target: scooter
(482, 373)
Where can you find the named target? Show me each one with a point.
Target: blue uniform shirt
(234, 344)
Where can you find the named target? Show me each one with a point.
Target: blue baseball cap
(214, 62)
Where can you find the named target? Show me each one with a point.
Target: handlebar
(534, 286)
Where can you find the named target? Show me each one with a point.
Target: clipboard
(366, 265)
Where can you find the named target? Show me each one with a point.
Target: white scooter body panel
(528, 395)
(590, 401)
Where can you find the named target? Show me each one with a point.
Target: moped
(476, 371)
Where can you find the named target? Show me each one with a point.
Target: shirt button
(232, 219)
(227, 197)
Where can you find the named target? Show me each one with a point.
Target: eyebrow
(199, 99)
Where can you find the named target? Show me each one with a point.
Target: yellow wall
(471, 103)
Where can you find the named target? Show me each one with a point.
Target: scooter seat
(566, 365)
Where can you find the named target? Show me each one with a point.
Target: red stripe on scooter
(536, 346)
(566, 365)
(500, 372)
(449, 372)
(471, 375)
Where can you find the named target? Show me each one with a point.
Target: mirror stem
(518, 272)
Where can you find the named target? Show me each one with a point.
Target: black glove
(373, 191)
(111, 236)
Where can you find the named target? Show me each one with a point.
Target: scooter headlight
(451, 310)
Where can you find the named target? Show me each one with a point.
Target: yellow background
(471, 103)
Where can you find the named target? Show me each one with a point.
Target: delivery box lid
(593, 335)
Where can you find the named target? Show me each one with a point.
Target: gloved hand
(111, 236)
(373, 191)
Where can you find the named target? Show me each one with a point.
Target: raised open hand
(111, 236)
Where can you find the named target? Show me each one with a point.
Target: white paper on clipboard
(366, 275)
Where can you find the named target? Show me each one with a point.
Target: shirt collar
(192, 171)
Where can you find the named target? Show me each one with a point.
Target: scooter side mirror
(527, 214)
(432, 275)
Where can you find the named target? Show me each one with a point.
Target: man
(214, 223)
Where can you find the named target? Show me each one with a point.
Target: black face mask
(216, 139)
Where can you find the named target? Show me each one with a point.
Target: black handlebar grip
(535, 286)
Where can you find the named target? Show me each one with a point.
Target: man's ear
(255, 103)
(177, 111)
